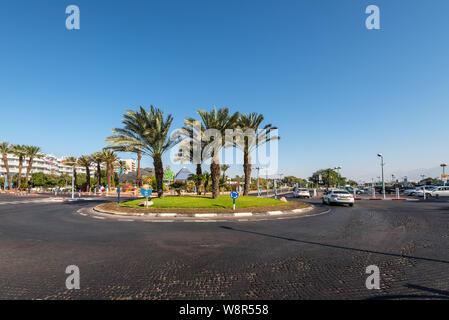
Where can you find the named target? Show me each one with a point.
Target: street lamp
(443, 165)
(338, 175)
(382, 164)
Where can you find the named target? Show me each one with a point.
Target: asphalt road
(321, 257)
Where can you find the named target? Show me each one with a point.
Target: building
(48, 164)
(183, 175)
(131, 177)
(130, 165)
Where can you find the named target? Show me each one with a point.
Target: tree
(97, 157)
(86, 161)
(220, 121)
(206, 178)
(32, 152)
(72, 162)
(192, 147)
(329, 177)
(5, 148)
(148, 131)
(224, 168)
(250, 123)
(109, 158)
(197, 180)
(20, 152)
(129, 138)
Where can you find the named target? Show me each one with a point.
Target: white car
(338, 197)
(421, 190)
(410, 192)
(439, 192)
(302, 193)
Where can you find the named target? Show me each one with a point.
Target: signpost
(146, 191)
(118, 194)
(234, 195)
(259, 192)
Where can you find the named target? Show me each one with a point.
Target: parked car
(410, 191)
(439, 192)
(338, 197)
(302, 193)
(424, 189)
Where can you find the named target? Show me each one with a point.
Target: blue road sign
(146, 191)
(118, 190)
(234, 195)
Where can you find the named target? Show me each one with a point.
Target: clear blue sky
(338, 92)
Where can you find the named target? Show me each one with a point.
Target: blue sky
(338, 92)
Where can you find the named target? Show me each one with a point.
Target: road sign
(146, 191)
(234, 195)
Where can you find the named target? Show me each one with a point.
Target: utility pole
(382, 164)
(258, 184)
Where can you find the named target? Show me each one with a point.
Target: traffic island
(205, 207)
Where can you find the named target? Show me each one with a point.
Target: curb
(206, 215)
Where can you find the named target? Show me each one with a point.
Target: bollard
(397, 193)
(374, 192)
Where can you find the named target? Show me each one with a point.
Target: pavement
(318, 257)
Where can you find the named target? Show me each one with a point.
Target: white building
(130, 165)
(48, 164)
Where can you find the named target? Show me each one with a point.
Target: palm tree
(86, 161)
(20, 152)
(97, 157)
(192, 146)
(224, 168)
(148, 132)
(109, 157)
(252, 122)
(198, 180)
(5, 148)
(122, 166)
(206, 178)
(221, 121)
(128, 139)
(72, 162)
(32, 153)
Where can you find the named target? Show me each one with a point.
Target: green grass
(223, 202)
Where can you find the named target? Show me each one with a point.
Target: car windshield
(341, 192)
(303, 190)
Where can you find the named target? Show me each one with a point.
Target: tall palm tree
(32, 153)
(72, 162)
(224, 168)
(248, 144)
(192, 147)
(5, 148)
(148, 131)
(221, 121)
(86, 161)
(97, 157)
(20, 152)
(109, 158)
(128, 138)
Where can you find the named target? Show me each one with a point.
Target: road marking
(275, 212)
(126, 220)
(242, 214)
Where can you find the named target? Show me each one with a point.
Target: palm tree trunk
(139, 174)
(74, 176)
(99, 175)
(215, 174)
(8, 174)
(19, 177)
(87, 179)
(159, 173)
(30, 164)
(199, 172)
(247, 171)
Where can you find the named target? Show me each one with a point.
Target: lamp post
(258, 184)
(338, 175)
(443, 165)
(382, 164)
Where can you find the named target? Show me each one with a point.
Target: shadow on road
(438, 294)
(336, 246)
